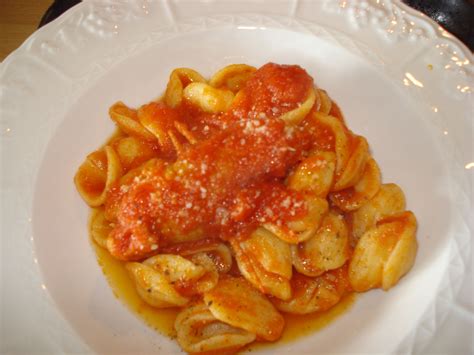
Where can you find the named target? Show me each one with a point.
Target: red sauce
(213, 177)
(229, 181)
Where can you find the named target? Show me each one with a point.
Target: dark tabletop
(456, 16)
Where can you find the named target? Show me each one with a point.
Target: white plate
(402, 82)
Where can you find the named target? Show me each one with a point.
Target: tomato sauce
(229, 181)
(227, 178)
(162, 320)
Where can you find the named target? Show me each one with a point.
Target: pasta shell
(218, 252)
(315, 294)
(296, 115)
(355, 166)
(175, 267)
(403, 254)
(206, 282)
(99, 227)
(314, 174)
(184, 130)
(208, 98)
(160, 121)
(355, 196)
(179, 79)
(273, 254)
(222, 257)
(265, 261)
(232, 77)
(168, 280)
(384, 253)
(198, 331)
(341, 137)
(96, 175)
(194, 276)
(388, 200)
(154, 287)
(328, 249)
(326, 102)
(234, 301)
(297, 231)
(133, 152)
(126, 119)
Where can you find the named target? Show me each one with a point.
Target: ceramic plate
(401, 81)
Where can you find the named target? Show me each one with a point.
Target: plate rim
(19, 52)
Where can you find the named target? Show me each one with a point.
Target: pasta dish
(243, 198)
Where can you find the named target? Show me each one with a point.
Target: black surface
(456, 16)
(56, 9)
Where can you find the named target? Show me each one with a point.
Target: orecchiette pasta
(154, 288)
(159, 121)
(100, 227)
(232, 77)
(96, 175)
(296, 115)
(314, 174)
(198, 331)
(314, 294)
(169, 280)
(208, 98)
(235, 302)
(218, 252)
(127, 120)
(206, 282)
(384, 253)
(355, 165)
(236, 200)
(328, 249)
(133, 152)
(299, 230)
(388, 200)
(356, 196)
(338, 133)
(265, 261)
(179, 79)
(221, 257)
(326, 102)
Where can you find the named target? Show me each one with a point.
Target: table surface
(18, 20)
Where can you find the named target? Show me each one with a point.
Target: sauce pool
(162, 320)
